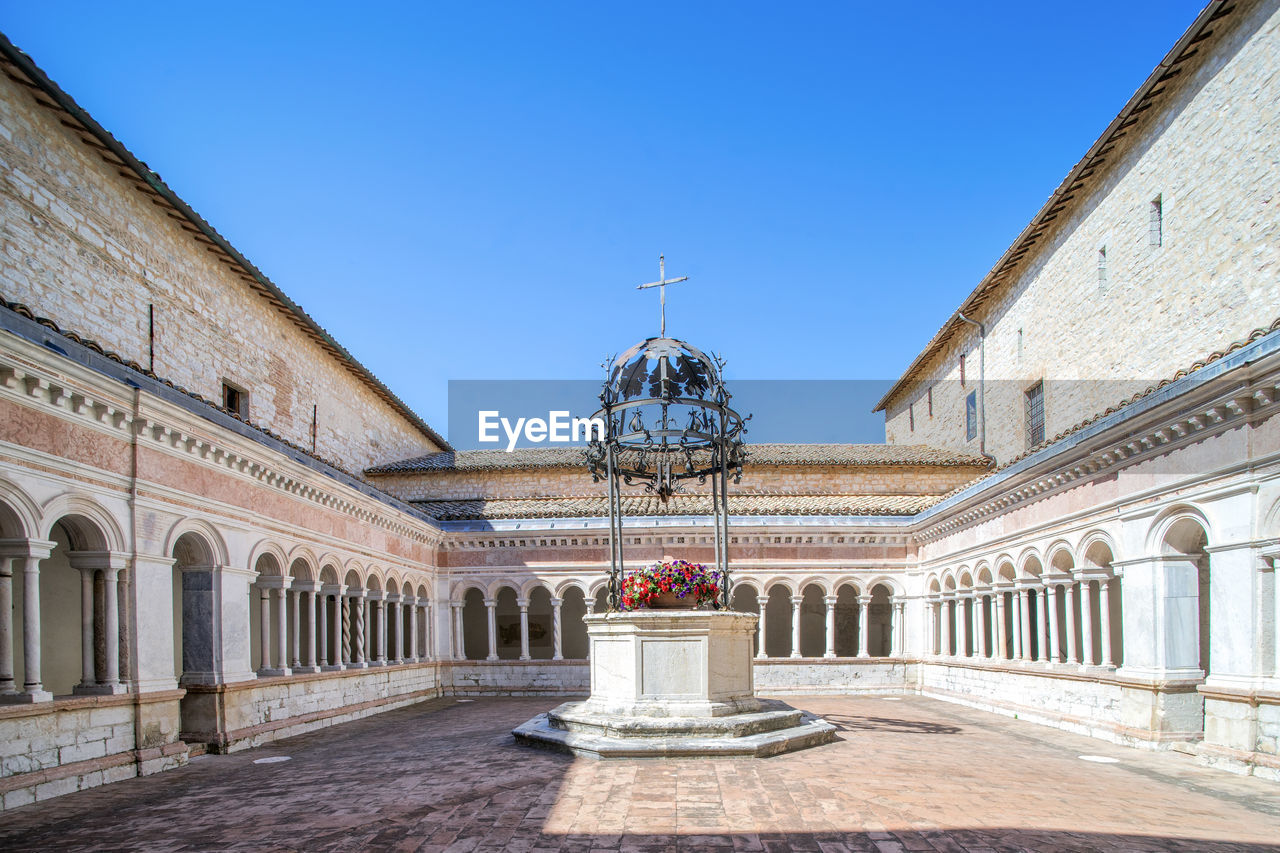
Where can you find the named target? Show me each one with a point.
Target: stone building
(219, 528)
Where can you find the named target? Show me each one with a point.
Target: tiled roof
(1074, 187)
(20, 68)
(757, 454)
(648, 505)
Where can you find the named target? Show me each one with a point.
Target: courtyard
(907, 773)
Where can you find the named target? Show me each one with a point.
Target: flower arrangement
(692, 582)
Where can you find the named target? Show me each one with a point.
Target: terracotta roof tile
(649, 505)
(758, 454)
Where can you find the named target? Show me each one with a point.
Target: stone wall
(83, 246)
(250, 713)
(79, 743)
(519, 678)
(824, 677)
(1209, 152)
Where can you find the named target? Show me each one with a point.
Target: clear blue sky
(472, 190)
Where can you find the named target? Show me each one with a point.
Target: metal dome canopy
(667, 420)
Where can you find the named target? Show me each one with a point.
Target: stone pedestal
(673, 683)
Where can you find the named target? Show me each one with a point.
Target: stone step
(573, 717)
(811, 731)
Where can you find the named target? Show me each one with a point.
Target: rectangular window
(1035, 414)
(971, 416)
(930, 401)
(962, 370)
(911, 416)
(1157, 221)
(1019, 345)
(235, 400)
(1102, 268)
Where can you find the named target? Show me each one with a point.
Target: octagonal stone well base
(673, 683)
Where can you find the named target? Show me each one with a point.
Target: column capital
(522, 603)
(556, 602)
(831, 600)
(334, 589)
(375, 595)
(38, 548)
(491, 602)
(797, 600)
(392, 597)
(864, 600)
(1095, 574)
(307, 586)
(274, 581)
(97, 559)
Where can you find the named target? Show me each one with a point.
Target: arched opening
(195, 611)
(747, 600)
(1035, 643)
(371, 623)
(813, 622)
(79, 648)
(507, 616)
(847, 626)
(1065, 607)
(1107, 606)
(601, 599)
(777, 612)
(540, 627)
(880, 622)
(575, 630)
(351, 634)
(475, 626)
(1190, 599)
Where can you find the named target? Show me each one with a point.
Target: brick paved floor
(907, 774)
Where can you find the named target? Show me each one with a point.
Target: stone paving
(908, 774)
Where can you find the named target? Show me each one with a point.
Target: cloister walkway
(909, 773)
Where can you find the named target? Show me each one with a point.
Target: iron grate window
(971, 416)
(1035, 414)
(1156, 231)
(235, 400)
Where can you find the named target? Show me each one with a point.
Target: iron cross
(661, 284)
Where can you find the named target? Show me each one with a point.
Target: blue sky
(473, 190)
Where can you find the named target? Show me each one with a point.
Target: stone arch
(964, 580)
(302, 569)
(749, 581)
(329, 573)
(778, 614)
(562, 588)
(1097, 542)
(1029, 564)
(982, 576)
(19, 514)
(526, 589)
(89, 525)
(275, 553)
(353, 580)
(892, 584)
(1005, 570)
(815, 581)
(373, 580)
(496, 586)
(746, 599)
(214, 544)
(506, 615)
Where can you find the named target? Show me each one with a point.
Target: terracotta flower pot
(670, 601)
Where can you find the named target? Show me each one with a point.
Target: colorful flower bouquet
(670, 583)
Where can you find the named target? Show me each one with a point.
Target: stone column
(760, 651)
(344, 629)
(295, 635)
(358, 660)
(1070, 623)
(957, 624)
(428, 629)
(830, 601)
(396, 629)
(380, 614)
(415, 613)
(523, 604)
(455, 634)
(1002, 642)
(1049, 629)
(282, 629)
(975, 625)
(1023, 601)
(1086, 621)
(32, 685)
(557, 630)
(7, 685)
(321, 614)
(864, 624)
(795, 625)
(264, 629)
(931, 627)
(1104, 622)
(491, 614)
(111, 624)
(900, 628)
(88, 677)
